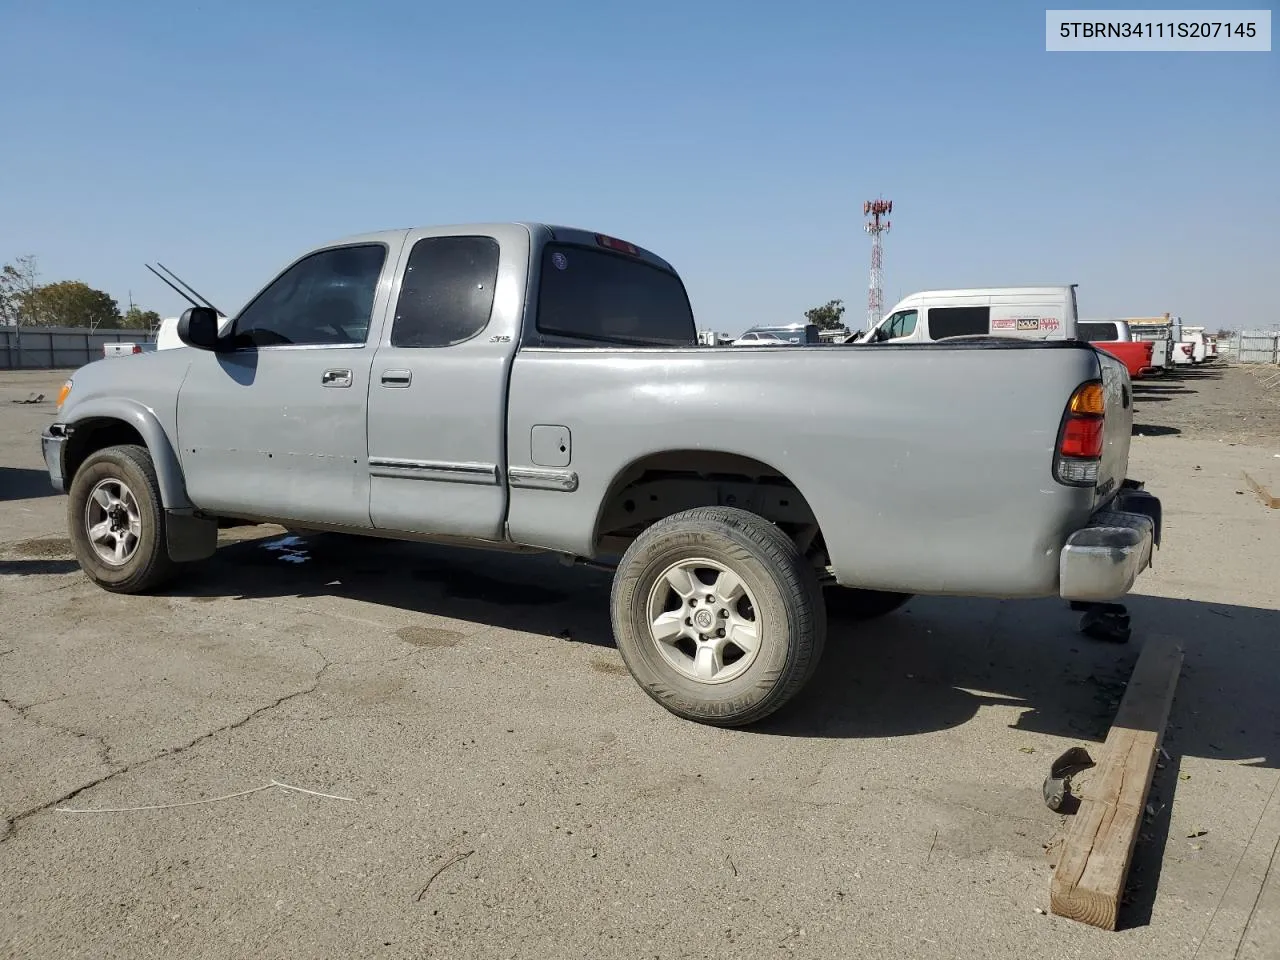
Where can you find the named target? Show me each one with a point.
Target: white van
(167, 334)
(1033, 313)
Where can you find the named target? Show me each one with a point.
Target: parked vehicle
(1191, 348)
(127, 348)
(530, 388)
(1159, 331)
(167, 334)
(166, 339)
(1114, 337)
(1032, 313)
(790, 333)
(756, 338)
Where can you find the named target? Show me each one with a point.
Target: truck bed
(928, 467)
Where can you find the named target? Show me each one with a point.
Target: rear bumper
(1101, 561)
(51, 442)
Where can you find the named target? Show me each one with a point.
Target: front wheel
(116, 521)
(718, 616)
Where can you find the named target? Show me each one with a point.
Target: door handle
(336, 378)
(397, 378)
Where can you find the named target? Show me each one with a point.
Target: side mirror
(198, 327)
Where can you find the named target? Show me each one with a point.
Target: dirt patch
(610, 667)
(1226, 403)
(429, 636)
(49, 548)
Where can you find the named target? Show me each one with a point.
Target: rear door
(437, 396)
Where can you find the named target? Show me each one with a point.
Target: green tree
(71, 303)
(135, 318)
(828, 316)
(18, 282)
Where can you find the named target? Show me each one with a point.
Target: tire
(770, 603)
(852, 603)
(117, 486)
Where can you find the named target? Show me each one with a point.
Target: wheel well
(657, 486)
(90, 436)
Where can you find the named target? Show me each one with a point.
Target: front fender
(173, 488)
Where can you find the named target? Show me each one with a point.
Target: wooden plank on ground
(1263, 493)
(1094, 863)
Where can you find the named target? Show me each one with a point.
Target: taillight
(137, 349)
(613, 243)
(1080, 439)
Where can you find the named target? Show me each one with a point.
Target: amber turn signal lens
(62, 394)
(1088, 400)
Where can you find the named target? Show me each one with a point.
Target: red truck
(1114, 337)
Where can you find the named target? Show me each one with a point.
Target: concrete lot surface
(510, 792)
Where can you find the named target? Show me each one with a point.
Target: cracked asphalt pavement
(500, 787)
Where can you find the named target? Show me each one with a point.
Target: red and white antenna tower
(874, 210)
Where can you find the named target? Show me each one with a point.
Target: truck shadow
(929, 667)
(19, 483)
(536, 594)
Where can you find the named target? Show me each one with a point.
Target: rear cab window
(1094, 332)
(596, 295)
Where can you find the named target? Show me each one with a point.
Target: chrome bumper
(51, 442)
(1100, 562)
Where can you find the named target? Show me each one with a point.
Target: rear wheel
(117, 521)
(718, 616)
(852, 603)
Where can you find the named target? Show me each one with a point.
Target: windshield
(592, 294)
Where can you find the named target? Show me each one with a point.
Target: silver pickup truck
(535, 388)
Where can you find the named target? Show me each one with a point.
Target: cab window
(325, 299)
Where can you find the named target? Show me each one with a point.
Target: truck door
(275, 426)
(437, 399)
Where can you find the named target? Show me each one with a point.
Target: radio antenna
(193, 290)
(182, 293)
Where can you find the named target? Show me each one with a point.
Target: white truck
(166, 339)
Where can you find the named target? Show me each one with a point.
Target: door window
(447, 293)
(323, 299)
(958, 322)
(901, 324)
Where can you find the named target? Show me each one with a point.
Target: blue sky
(737, 140)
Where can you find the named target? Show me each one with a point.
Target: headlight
(63, 394)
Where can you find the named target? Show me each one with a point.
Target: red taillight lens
(136, 348)
(1082, 438)
(1080, 441)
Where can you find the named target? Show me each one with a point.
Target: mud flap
(189, 537)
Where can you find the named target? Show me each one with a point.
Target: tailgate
(1117, 428)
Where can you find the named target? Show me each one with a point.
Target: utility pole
(874, 210)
